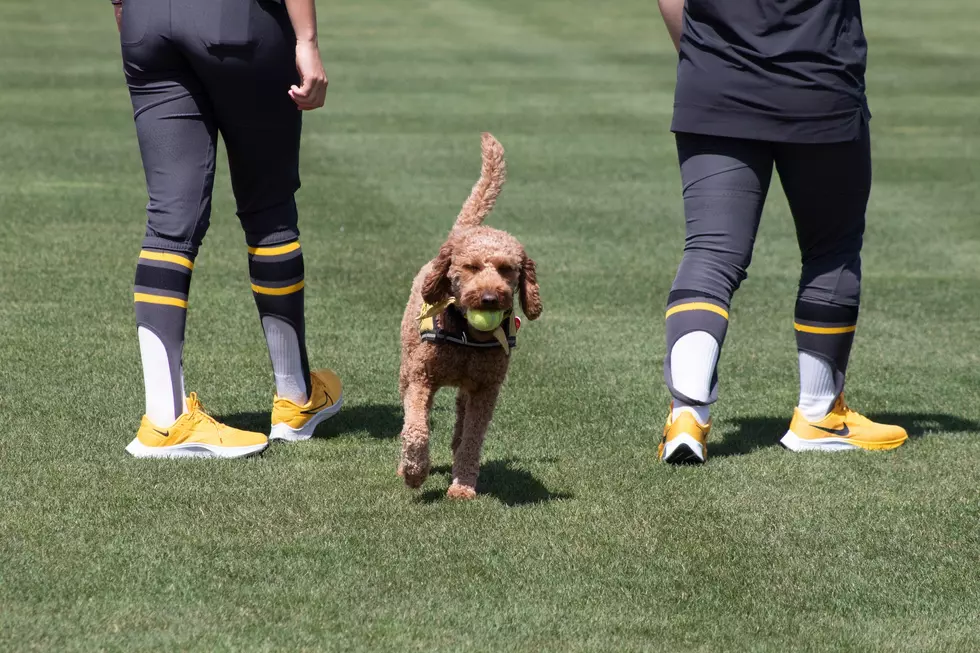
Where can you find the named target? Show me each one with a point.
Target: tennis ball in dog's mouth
(484, 320)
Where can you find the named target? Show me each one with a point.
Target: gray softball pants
(197, 69)
(725, 183)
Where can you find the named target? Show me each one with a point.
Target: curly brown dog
(478, 268)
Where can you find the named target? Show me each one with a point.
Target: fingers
(301, 94)
(319, 94)
(311, 95)
(313, 90)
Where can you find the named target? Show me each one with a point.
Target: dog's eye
(469, 267)
(505, 269)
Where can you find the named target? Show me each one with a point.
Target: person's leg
(246, 60)
(177, 136)
(827, 186)
(725, 184)
(247, 72)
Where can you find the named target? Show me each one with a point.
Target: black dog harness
(433, 327)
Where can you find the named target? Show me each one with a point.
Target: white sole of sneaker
(285, 433)
(192, 450)
(794, 442)
(683, 448)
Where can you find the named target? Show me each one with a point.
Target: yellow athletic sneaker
(841, 430)
(195, 434)
(685, 439)
(293, 422)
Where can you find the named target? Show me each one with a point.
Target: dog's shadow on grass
(380, 421)
(758, 432)
(505, 481)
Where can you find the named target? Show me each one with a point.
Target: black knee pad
(832, 279)
(272, 225)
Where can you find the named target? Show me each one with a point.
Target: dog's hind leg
(414, 465)
(461, 398)
(466, 455)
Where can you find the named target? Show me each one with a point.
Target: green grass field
(580, 540)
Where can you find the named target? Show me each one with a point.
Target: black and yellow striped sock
(162, 285)
(277, 284)
(687, 312)
(826, 331)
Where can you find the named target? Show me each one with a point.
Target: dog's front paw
(464, 492)
(413, 474)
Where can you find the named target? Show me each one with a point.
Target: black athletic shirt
(774, 70)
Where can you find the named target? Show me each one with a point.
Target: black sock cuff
(827, 314)
(679, 296)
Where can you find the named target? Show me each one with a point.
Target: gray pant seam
(204, 184)
(737, 166)
(153, 105)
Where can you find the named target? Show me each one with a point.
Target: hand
(118, 10)
(314, 82)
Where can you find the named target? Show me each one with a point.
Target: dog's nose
(488, 299)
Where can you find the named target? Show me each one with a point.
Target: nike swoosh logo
(163, 433)
(327, 402)
(844, 432)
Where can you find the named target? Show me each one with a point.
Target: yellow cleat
(841, 430)
(195, 434)
(685, 440)
(293, 422)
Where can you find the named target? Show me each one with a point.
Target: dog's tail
(493, 173)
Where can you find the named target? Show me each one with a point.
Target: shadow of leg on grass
(381, 421)
(760, 431)
(750, 433)
(503, 480)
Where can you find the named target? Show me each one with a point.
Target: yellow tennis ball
(484, 320)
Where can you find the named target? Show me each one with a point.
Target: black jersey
(776, 70)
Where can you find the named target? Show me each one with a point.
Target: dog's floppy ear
(436, 286)
(530, 297)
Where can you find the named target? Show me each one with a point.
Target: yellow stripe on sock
(274, 251)
(824, 330)
(697, 306)
(159, 299)
(262, 290)
(169, 258)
